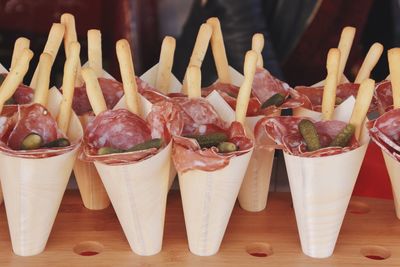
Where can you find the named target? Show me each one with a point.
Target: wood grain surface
(370, 227)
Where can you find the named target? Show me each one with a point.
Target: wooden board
(274, 228)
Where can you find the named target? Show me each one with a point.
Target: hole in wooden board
(358, 207)
(259, 249)
(375, 252)
(88, 248)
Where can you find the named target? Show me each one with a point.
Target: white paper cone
(321, 188)
(33, 189)
(393, 167)
(253, 193)
(208, 199)
(138, 193)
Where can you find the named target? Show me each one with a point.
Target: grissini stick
(199, 50)
(360, 110)
(94, 52)
(194, 82)
(345, 43)
(218, 49)
(68, 20)
(68, 86)
(93, 90)
(165, 63)
(52, 46)
(15, 77)
(394, 68)
(128, 76)
(20, 44)
(257, 45)
(331, 81)
(250, 63)
(43, 79)
(369, 62)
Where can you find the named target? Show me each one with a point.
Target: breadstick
(360, 110)
(93, 90)
(219, 53)
(194, 82)
(68, 86)
(163, 79)
(345, 43)
(128, 76)
(52, 46)
(394, 68)
(199, 50)
(68, 20)
(369, 63)
(329, 95)
(15, 76)
(20, 44)
(243, 98)
(94, 52)
(257, 45)
(43, 79)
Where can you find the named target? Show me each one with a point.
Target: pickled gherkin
(310, 134)
(276, 100)
(226, 147)
(32, 141)
(209, 140)
(343, 138)
(153, 143)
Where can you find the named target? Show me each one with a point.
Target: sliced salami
(112, 91)
(284, 131)
(149, 92)
(25, 120)
(384, 96)
(187, 154)
(23, 94)
(385, 132)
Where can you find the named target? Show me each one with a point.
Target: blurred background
(298, 32)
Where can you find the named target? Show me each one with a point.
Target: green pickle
(32, 141)
(209, 140)
(226, 147)
(343, 138)
(109, 150)
(61, 142)
(153, 143)
(310, 135)
(276, 100)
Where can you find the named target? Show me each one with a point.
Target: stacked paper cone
(138, 193)
(208, 199)
(253, 193)
(33, 189)
(393, 167)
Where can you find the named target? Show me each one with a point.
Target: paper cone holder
(138, 193)
(393, 167)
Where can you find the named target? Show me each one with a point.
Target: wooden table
(370, 228)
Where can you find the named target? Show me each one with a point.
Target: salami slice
(385, 132)
(150, 93)
(27, 119)
(112, 91)
(23, 94)
(384, 96)
(187, 154)
(199, 116)
(343, 91)
(284, 131)
(230, 93)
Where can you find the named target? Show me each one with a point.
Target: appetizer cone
(384, 130)
(136, 181)
(34, 181)
(209, 192)
(322, 179)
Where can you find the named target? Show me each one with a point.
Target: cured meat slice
(199, 116)
(23, 94)
(384, 96)
(187, 154)
(149, 92)
(112, 91)
(17, 122)
(385, 132)
(284, 131)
